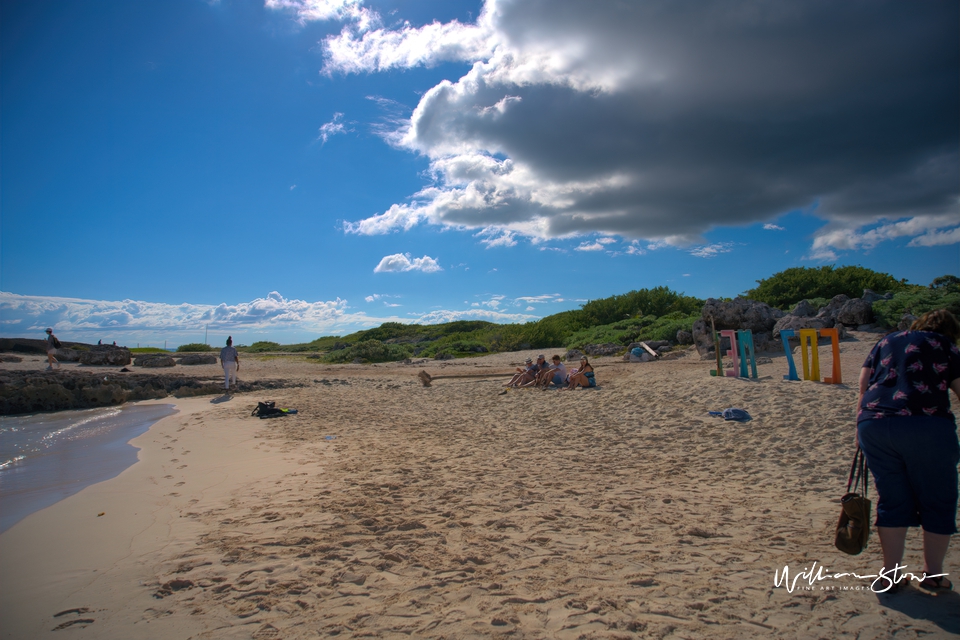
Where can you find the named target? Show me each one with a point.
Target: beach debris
(739, 415)
(102, 513)
(426, 378)
(269, 409)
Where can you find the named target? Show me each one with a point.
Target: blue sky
(294, 168)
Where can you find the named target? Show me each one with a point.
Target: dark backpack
(56, 343)
(267, 409)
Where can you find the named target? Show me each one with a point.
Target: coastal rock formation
(154, 360)
(606, 349)
(796, 323)
(106, 355)
(684, 337)
(29, 391)
(196, 358)
(855, 312)
(804, 310)
(65, 354)
(906, 320)
(740, 313)
(6, 358)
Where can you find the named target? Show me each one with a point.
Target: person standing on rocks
(52, 345)
(230, 360)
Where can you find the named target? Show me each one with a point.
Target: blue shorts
(914, 463)
(558, 380)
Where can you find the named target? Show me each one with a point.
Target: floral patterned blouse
(910, 375)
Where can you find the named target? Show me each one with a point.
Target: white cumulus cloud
(646, 120)
(400, 262)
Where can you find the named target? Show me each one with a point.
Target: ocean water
(47, 457)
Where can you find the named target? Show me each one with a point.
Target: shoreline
(67, 557)
(385, 508)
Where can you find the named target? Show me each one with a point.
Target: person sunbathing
(582, 376)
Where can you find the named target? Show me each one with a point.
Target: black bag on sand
(267, 409)
(853, 527)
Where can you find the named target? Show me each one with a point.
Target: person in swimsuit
(583, 376)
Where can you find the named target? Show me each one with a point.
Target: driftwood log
(426, 378)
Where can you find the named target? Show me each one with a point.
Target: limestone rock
(198, 358)
(6, 358)
(796, 323)
(740, 313)
(855, 312)
(106, 355)
(607, 349)
(573, 355)
(906, 321)
(872, 297)
(684, 337)
(829, 312)
(804, 310)
(154, 360)
(64, 354)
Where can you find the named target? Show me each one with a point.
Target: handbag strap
(858, 473)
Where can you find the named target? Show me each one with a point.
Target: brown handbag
(853, 527)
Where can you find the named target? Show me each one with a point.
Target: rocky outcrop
(30, 391)
(6, 358)
(741, 313)
(804, 310)
(684, 337)
(197, 358)
(65, 354)
(606, 349)
(154, 360)
(906, 321)
(106, 355)
(872, 297)
(796, 323)
(855, 312)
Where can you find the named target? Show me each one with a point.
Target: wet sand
(386, 509)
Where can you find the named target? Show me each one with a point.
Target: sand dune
(386, 509)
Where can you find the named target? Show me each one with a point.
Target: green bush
(262, 346)
(370, 351)
(785, 289)
(194, 346)
(916, 302)
(634, 330)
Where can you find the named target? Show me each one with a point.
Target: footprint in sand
(183, 466)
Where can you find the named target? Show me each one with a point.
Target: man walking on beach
(230, 360)
(52, 345)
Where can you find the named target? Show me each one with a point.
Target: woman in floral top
(909, 436)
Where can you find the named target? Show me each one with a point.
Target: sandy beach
(386, 509)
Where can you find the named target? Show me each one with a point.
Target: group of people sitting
(542, 374)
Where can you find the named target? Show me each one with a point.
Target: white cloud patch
(649, 121)
(712, 250)
(924, 231)
(270, 318)
(772, 227)
(401, 262)
(590, 246)
(489, 315)
(332, 128)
